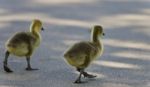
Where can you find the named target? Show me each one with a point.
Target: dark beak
(42, 29)
(103, 34)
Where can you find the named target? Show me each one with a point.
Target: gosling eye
(103, 34)
(42, 29)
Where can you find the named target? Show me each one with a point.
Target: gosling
(81, 54)
(23, 44)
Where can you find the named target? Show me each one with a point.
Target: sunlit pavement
(126, 59)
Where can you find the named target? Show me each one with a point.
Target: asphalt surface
(126, 58)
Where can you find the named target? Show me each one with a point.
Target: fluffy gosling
(81, 54)
(23, 44)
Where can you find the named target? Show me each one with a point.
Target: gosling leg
(78, 80)
(6, 68)
(85, 74)
(28, 64)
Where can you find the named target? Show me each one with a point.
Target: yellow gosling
(81, 54)
(23, 44)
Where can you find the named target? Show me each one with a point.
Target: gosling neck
(95, 37)
(34, 32)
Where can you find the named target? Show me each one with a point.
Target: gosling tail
(11, 47)
(67, 56)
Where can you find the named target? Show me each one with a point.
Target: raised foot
(8, 70)
(31, 69)
(89, 75)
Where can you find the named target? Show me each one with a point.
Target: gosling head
(36, 26)
(98, 30)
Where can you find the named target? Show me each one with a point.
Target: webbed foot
(30, 69)
(8, 70)
(85, 74)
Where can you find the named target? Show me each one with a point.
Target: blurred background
(126, 58)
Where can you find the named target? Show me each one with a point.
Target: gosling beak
(103, 34)
(42, 29)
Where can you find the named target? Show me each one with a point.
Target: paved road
(126, 59)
